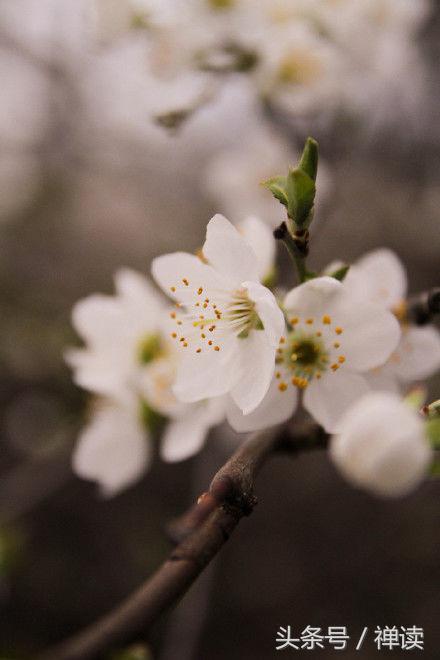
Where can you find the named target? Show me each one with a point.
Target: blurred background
(105, 164)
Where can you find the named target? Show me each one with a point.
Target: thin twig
(230, 497)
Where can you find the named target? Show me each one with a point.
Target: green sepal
(151, 419)
(433, 432)
(301, 189)
(309, 158)
(340, 273)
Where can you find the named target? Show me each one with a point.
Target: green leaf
(340, 273)
(309, 158)
(433, 432)
(277, 186)
(301, 196)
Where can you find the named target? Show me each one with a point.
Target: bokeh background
(87, 184)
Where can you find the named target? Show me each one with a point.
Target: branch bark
(202, 531)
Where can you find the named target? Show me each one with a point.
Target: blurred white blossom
(381, 445)
(380, 277)
(130, 363)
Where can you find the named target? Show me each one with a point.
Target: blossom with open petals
(332, 342)
(380, 277)
(226, 323)
(381, 445)
(130, 363)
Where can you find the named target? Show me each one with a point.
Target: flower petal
(113, 449)
(97, 318)
(254, 364)
(370, 334)
(185, 436)
(378, 277)
(275, 408)
(260, 237)
(170, 271)
(142, 303)
(328, 398)
(229, 253)
(207, 374)
(313, 297)
(268, 310)
(94, 371)
(418, 354)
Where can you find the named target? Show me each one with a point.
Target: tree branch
(203, 531)
(424, 307)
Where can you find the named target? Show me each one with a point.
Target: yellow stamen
(341, 359)
(326, 319)
(282, 387)
(309, 321)
(336, 344)
(294, 320)
(216, 348)
(339, 330)
(185, 281)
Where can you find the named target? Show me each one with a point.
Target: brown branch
(207, 526)
(424, 307)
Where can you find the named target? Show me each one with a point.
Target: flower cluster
(225, 345)
(299, 54)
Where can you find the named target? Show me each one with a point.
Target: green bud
(309, 158)
(301, 191)
(297, 190)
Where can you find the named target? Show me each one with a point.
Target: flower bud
(381, 445)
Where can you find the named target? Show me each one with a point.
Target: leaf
(301, 196)
(277, 186)
(309, 158)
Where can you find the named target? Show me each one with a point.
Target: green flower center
(304, 356)
(149, 348)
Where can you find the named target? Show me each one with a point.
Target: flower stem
(297, 247)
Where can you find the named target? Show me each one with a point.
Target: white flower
(333, 341)
(113, 449)
(131, 364)
(227, 324)
(379, 277)
(381, 445)
(260, 237)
